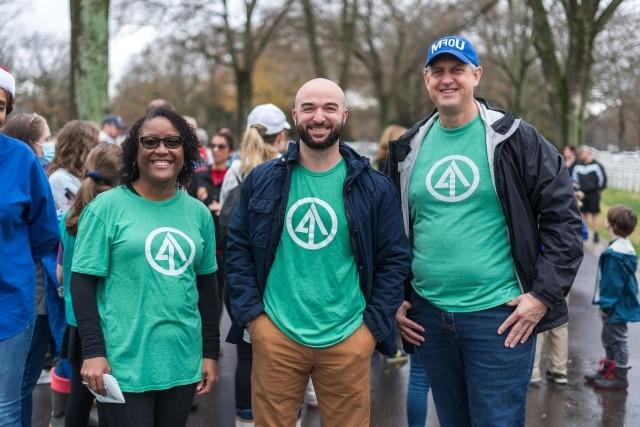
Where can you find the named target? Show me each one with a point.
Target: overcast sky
(52, 17)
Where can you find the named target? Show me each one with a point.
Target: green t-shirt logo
(169, 251)
(312, 223)
(453, 178)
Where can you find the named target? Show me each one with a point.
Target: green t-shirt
(67, 241)
(148, 254)
(313, 293)
(461, 251)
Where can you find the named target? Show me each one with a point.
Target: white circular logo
(311, 223)
(172, 253)
(454, 184)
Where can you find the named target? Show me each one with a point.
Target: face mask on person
(48, 151)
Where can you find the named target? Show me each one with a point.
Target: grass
(612, 197)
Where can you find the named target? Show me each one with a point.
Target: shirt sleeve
(41, 216)
(92, 250)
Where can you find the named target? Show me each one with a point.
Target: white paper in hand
(114, 394)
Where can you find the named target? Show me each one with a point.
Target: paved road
(548, 405)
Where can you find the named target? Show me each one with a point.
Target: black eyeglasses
(153, 142)
(219, 146)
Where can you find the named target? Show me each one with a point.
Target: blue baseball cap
(457, 46)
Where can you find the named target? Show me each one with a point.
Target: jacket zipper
(346, 189)
(507, 220)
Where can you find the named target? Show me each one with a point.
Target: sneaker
(240, 422)
(557, 378)
(400, 358)
(244, 418)
(605, 371)
(45, 377)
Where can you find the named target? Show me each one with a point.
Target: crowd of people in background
(234, 224)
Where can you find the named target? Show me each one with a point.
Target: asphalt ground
(548, 404)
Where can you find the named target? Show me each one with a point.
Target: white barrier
(623, 170)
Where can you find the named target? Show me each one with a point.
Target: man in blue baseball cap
(495, 233)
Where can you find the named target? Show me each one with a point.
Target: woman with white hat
(264, 140)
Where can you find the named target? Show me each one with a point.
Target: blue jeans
(417, 392)
(13, 353)
(33, 365)
(475, 380)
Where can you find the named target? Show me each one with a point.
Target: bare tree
(568, 68)
(244, 47)
(392, 45)
(508, 41)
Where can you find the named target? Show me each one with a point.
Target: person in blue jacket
(316, 261)
(617, 295)
(33, 130)
(28, 231)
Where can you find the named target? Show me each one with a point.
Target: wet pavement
(548, 405)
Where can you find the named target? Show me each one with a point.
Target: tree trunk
(244, 95)
(347, 42)
(312, 37)
(570, 82)
(89, 58)
(622, 131)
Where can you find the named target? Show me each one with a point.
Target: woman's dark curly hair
(189, 145)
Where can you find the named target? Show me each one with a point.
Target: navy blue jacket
(379, 243)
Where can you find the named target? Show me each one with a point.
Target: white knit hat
(269, 116)
(7, 82)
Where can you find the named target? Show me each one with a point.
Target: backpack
(228, 208)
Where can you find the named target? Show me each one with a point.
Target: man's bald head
(323, 87)
(320, 113)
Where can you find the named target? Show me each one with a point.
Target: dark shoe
(605, 371)
(557, 378)
(596, 237)
(619, 381)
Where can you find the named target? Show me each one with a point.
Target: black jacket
(534, 190)
(590, 177)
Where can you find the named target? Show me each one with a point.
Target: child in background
(616, 293)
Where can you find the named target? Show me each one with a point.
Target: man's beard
(329, 141)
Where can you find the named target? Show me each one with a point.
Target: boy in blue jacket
(616, 293)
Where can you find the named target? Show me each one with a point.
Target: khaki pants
(554, 345)
(281, 369)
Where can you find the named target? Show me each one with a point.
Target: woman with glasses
(143, 281)
(28, 232)
(221, 147)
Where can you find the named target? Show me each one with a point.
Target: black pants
(79, 401)
(243, 369)
(164, 408)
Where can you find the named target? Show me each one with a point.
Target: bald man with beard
(316, 259)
